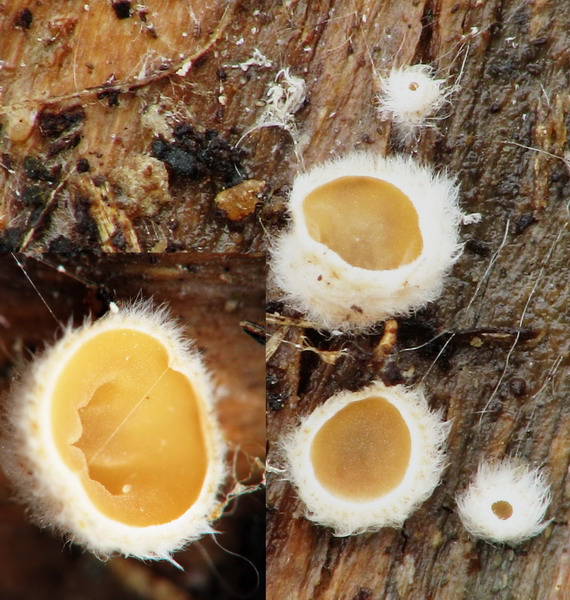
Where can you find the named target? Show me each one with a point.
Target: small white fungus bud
(409, 96)
(506, 502)
(365, 460)
(371, 237)
(111, 437)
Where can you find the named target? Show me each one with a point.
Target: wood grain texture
(211, 296)
(84, 94)
(493, 352)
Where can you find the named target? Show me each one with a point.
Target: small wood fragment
(240, 200)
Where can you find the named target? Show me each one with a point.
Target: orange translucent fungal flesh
(502, 509)
(368, 222)
(362, 452)
(131, 428)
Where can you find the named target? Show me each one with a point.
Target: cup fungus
(409, 96)
(506, 502)
(371, 237)
(365, 460)
(112, 437)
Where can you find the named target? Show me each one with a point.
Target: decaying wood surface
(104, 144)
(493, 352)
(214, 297)
(120, 122)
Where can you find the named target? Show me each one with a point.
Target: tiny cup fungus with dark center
(365, 460)
(370, 238)
(506, 502)
(112, 436)
(409, 98)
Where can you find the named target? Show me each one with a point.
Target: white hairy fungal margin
(327, 270)
(410, 96)
(506, 502)
(382, 455)
(80, 480)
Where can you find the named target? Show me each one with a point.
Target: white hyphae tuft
(409, 96)
(284, 98)
(337, 294)
(60, 484)
(363, 451)
(506, 502)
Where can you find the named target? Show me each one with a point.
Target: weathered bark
(214, 297)
(493, 352)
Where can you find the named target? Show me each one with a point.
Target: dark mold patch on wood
(63, 143)
(122, 9)
(118, 240)
(82, 165)
(11, 239)
(32, 196)
(85, 224)
(196, 155)
(477, 247)
(62, 245)
(53, 123)
(276, 399)
(523, 222)
(518, 386)
(23, 19)
(112, 96)
(37, 170)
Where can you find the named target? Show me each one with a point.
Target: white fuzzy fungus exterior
(409, 96)
(524, 489)
(53, 491)
(334, 294)
(428, 434)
